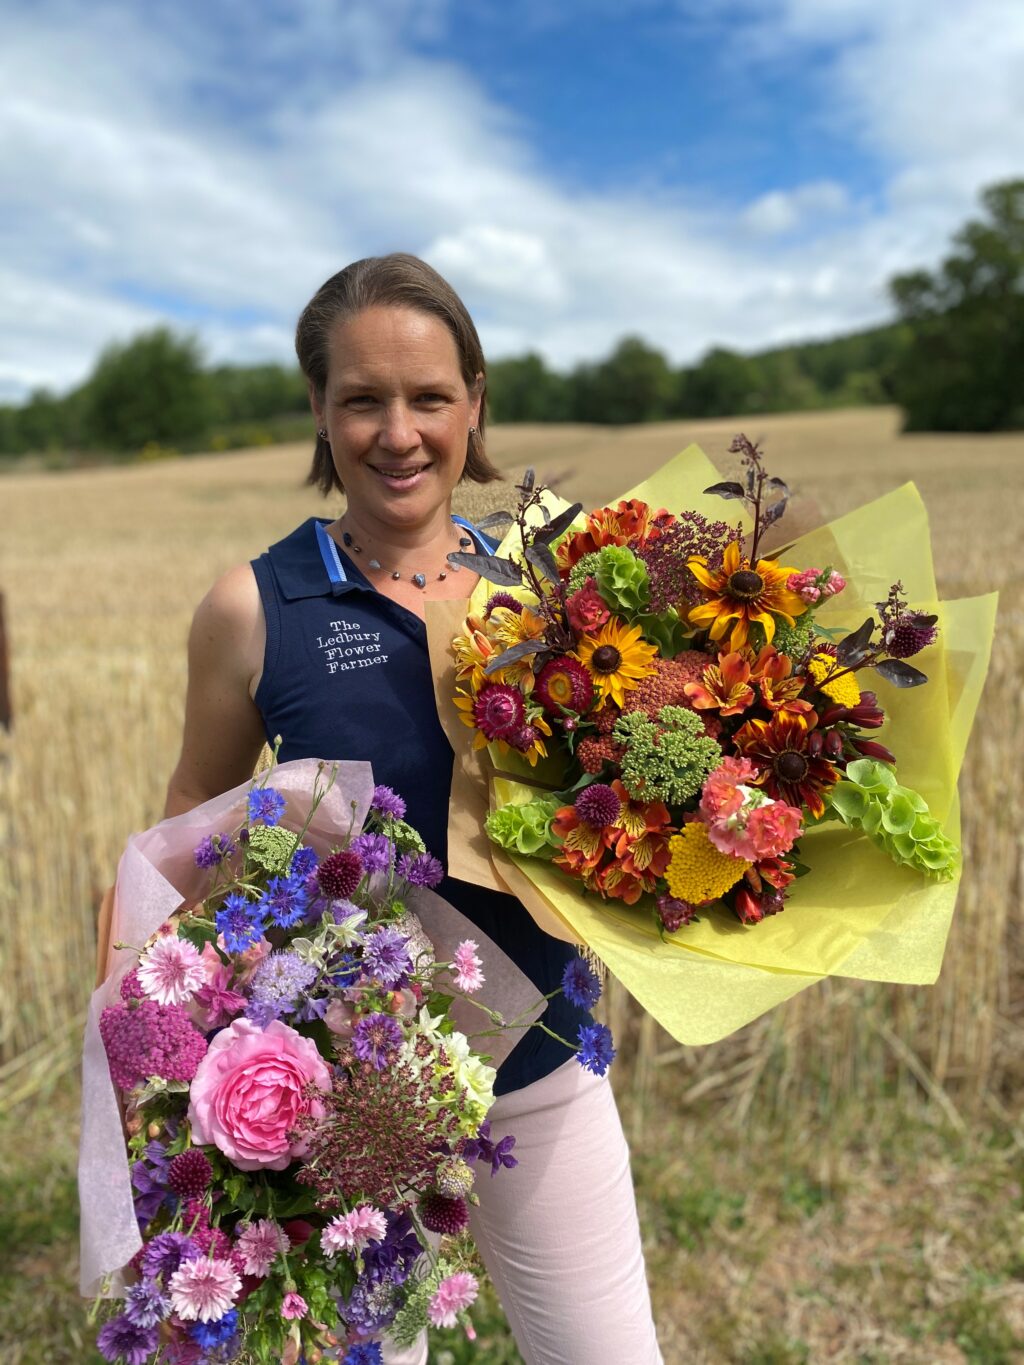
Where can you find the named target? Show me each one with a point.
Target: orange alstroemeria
(726, 687)
(632, 522)
(780, 690)
(740, 594)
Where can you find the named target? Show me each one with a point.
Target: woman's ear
(476, 397)
(316, 402)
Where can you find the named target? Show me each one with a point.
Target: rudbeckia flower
(740, 593)
(617, 658)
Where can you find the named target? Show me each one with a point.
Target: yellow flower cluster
(843, 690)
(699, 872)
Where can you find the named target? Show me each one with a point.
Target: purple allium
(340, 874)
(240, 921)
(481, 1148)
(363, 1353)
(145, 1039)
(279, 980)
(595, 1051)
(284, 901)
(190, 1173)
(219, 1333)
(597, 805)
(303, 861)
(146, 1304)
(420, 869)
(438, 1213)
(387, 802)
(213, 849)
(580, 984)
(376, 1039)
(121, 1339)
(375, 850)
(165, 1254)
(502, 599)
(386, 956)
(266, 805)
(394, 1257)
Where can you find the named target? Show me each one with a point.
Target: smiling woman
(321, 641)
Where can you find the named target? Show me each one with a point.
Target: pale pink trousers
(559, 1233)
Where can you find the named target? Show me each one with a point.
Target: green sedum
(896, 818)
(582, 570)
(525, 829)
(666, 760)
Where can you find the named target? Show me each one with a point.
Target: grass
(838, 1181)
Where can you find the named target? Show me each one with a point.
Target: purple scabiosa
(166, 1253)
(580, 984)
(240, 921)
(265, 805)
(481, 1148)
(211, 1335)
(597, 805)
(145, 1039)
(420, 869)
(387, 802)
(339, 874)
(284, 901)
(375, 850)
(438, 1213)
(279, 981)
(190, 1173)
(212, 850)
(386, 956)
(370, 1306)
(303, 861)
(122, 1340)
(146, 1304)
(595, 1052)
(376, 1039)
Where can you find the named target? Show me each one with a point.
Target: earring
(322, 433)
(472, 431)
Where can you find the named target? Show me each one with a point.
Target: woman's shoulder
(229, 624)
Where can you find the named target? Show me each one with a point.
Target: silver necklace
(419, 579)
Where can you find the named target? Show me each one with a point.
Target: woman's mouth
(400, 476)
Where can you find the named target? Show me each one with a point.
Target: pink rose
(248, 1093)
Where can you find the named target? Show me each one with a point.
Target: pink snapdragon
(468, 976)
(815, 585)
(171, 970)
(451, 1297)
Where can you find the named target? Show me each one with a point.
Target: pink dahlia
(203, 1290)
(468, 976)
(171, 970)
(351, 1231)
(259, 1245)
(499, 712)
(452, 1296)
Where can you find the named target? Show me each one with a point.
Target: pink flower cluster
(588, 610)
(145, 1039)
(741, 820)
(451, 1297)
(351, 1231)
(815, 585)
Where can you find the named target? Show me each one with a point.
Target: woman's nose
(398, 430)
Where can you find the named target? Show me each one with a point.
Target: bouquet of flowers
(304, 1095)
(683, 722)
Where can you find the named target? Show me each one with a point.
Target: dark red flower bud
(815, 743)
(834, 744)
(748, 908)
(870, 749)
(831, 714)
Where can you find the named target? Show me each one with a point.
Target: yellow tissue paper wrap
(856, 913)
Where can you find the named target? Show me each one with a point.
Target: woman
(321, 640)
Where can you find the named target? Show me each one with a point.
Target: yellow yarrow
(699, 872)
(843, 690)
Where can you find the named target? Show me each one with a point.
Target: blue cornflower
(165, 1253)
(303, 861)
(284, 900)
(217, 1333)
(580, 984)
(366, 1353)
(265, 805)
(376, 1039)
(387, 802)
(123, 1340)
(278, 982)
(595, 1051)
(376, 851)
(240, 921)
(146, 1304)
(420, 869)
(386, 956)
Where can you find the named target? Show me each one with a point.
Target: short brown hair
(396, 281)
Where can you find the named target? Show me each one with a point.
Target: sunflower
(617, 659)
(742, 593)
(787, 769)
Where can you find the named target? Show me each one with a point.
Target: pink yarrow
(259, 1245)
(204, 1289)
(171, 970)
(468, 976)
(451, 1297)
(351, 1231)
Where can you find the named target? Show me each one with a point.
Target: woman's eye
(359, 400)
(432, 398)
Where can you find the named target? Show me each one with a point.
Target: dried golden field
(839, 1181)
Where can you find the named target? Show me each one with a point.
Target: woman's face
(397, 412)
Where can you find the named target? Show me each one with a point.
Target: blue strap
(332, 559)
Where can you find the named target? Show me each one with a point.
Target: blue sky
(700, 172)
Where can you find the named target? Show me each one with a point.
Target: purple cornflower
(595, 1051)
(165, 1253)
(420, 869)
(240, 921)
(580, 984)
(211, 850)
(218, 1333)
(284, 900)
(265, 805)
(387, 802)
(376, 1039)
(481, 1148)
(376, 851)
(146, 1304)
(386, 956)
(364, 1353)
(121, 1339)
(279, 981)
(303, 861)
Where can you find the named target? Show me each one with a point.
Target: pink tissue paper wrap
(156, 876)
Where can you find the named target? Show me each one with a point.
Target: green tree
(523, 389)
(962, 368)
(722, 384)
(634, 384)
(152, 388)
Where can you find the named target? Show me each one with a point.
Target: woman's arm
(223, 727)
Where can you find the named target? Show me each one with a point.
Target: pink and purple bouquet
(297, 1055)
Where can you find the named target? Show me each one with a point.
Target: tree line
(952, 360)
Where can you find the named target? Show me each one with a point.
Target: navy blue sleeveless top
(346, 675)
